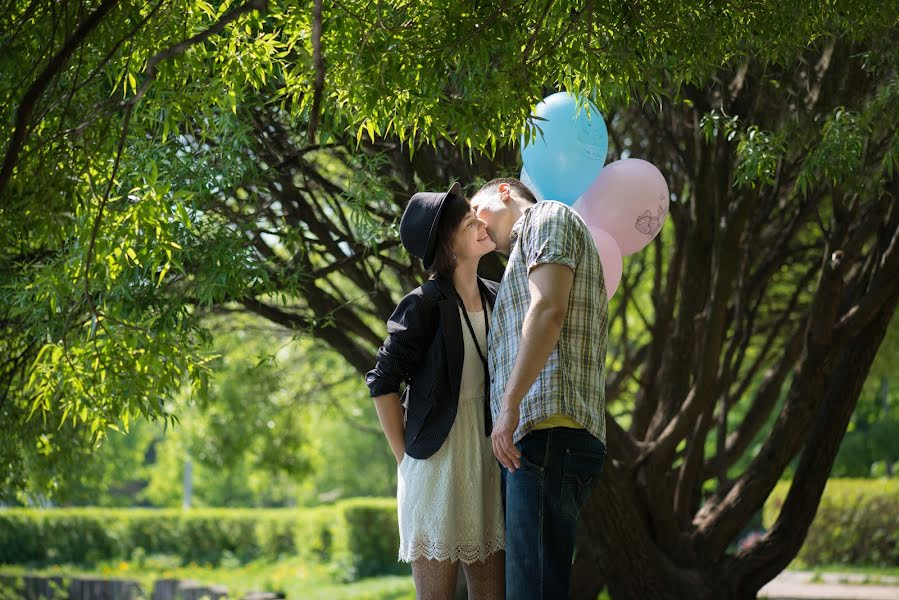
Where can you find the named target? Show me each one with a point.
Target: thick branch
(764, 402)
(706, 388)
(782, 542)
(880, 290)
(717, 528)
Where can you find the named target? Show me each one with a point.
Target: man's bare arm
(550, 287)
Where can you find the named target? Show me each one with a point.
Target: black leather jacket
(424, 349)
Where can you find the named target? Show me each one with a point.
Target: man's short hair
(523, 190)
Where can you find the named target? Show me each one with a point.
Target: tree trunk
(633, 565)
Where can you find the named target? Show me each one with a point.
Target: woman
(448, 491)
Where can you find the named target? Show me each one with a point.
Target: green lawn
(871, 571)
(291, 576)
(870, 575)
(299, 579)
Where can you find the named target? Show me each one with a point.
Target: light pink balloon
(609, 256)
(578, 206)
(628, 199)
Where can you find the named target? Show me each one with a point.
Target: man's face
(489, 208)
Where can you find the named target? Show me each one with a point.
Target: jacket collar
(446, 287)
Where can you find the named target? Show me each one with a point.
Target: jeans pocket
(581, 472)
(527, 465)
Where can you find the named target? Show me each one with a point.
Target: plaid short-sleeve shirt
(573, 380)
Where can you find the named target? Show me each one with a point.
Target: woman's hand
(390, 414)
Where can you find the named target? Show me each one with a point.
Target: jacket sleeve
(410, 330)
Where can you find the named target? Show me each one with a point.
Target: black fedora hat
(418, 227)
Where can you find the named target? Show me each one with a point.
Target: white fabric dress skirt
(449, 504)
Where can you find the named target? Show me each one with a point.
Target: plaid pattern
(573, 380)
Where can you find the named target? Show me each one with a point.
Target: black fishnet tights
(436, 579)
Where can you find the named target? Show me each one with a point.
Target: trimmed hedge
(374, 539)
(360, 535)
(857, 523)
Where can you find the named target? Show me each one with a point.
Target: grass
(854, 575)
(293, 577)
(862, 575)
(300, 579)
(871, 571)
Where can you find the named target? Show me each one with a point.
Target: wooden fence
(33, 587)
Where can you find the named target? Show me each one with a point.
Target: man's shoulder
(557, 213)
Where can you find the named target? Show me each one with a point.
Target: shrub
(857, 523)
(153, 531)
(316, 530)
(360, 535)
(276, 537)
(372, 537)
(20, 537)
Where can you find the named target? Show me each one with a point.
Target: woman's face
(471, 240)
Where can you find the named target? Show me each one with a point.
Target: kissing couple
(499, 434)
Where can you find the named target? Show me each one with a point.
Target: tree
(266, 169)
(282, 425)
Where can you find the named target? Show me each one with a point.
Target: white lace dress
(449, 505)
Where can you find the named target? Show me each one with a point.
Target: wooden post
(191, 590)
(89, 588)
(40, 588)
(165, 589)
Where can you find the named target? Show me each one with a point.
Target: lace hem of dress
(467, 553)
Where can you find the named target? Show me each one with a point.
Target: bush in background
(373, 538)
(857, 523)
(359, 535)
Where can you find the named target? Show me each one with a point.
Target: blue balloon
(567, 156)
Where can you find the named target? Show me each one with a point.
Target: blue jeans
(543, 499)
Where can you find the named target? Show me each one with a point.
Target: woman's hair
(453, 213)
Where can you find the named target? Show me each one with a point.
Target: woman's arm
(410, 330)
(390, 413)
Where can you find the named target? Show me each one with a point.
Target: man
(547, 356)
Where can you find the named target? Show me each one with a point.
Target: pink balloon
(629, 199)
(609, 256)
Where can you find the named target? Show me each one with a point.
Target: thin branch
(29, 100)
(28, 12)
(173, 51)
(96, 227)
(537, 27)
(318, 64)
(111, 54)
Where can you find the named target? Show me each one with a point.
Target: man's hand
(503, 429)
